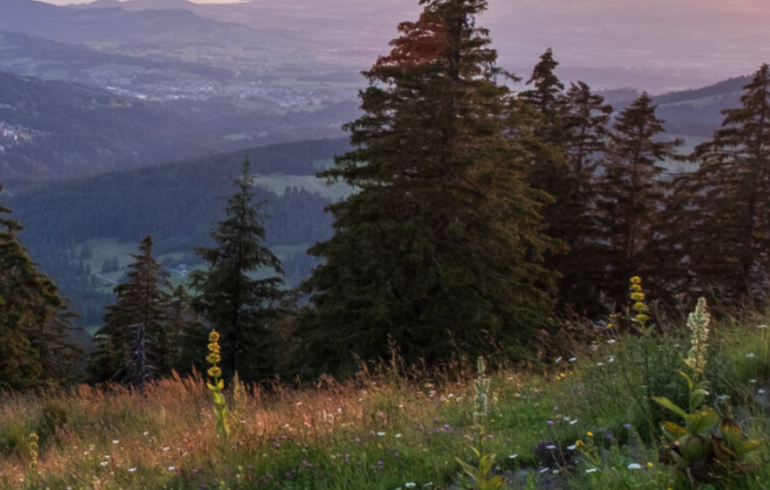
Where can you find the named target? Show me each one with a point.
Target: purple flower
(277, 446)
(550, 422)
(380, 464)
(358, 441)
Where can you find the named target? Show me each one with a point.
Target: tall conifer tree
(442, 246)
(36, 346)
(132, 345)
(632, 195)
(724, 205)
(570, 135)
(235, 302)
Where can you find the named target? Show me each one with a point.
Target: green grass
(581, 423)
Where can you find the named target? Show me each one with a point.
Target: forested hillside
(177, 204)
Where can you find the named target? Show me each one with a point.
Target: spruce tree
(632, 196)
(237, 291)
(132, 345)
(440, 250)
(724, 206)
(570, 133)
(37, 345)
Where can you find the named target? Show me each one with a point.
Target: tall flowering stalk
(217, 385)
(482, 385)
(698, 323)
(639, 305)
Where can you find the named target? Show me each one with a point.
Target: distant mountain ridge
(115, 24)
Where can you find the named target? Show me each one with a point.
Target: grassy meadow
(583, 422)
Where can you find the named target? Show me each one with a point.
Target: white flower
(558, 360)
(573, 422)
(572, 447)
(410, 484)
(398, 436)
(572, 359)
(339, 410)
(513, 456)
(761, 392)
(381, 434)
(104, 463)
(131, 470)
(591, 470)
(611, 341)
(550, 448)
(600, 364)
(166, 448)
(116, 441)
(634, 466)
(544, 470)
(752, 381)
(429, 484)
(762, 326)
(171, 468)
(750, 355)
(612, 359)
(299, 403)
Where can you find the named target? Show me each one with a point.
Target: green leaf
(696, 399)
(702, 421)
(666, 403)
(750, 446)
(673, 431)
(690, 384)
(485, 465)
(219, 399)
(731, 433)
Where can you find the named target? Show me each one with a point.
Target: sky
(70, 2)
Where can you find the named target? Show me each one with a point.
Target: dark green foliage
(440, 252)
(235, 302)
(571, 131)
(724, 206)
(134, 345)
(36, 346)
(632, 197)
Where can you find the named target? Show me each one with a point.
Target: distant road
(104, 278)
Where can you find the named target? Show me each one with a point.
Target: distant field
(278, 183)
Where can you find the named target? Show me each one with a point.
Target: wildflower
(610, 325)
(104, 463)
(573, 359)
(381, 434)
(762, 326)
(572, 447)
(543, 469)
(513, 456)
(213, 337)
(698, 323)
(410, 485)
(634, 466)
(611, 341)
(752, 381)
(171, 468)
(116, 442)
(398, 436)
(761, 392)
(550, 447)
(550, 422)
(590, 434)
(636, 280)
(573, 422)
(750, 355)
(591, 470)
(213, 358)
(215, 372)
(649, 464)
(131, 470)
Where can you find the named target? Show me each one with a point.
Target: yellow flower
(639, 307)
(213, 358)
(214, 347)
(637, 296)
(213, 336)
(641, 318)
(215, 372)
(636, 280)
(590, 434)
(579, 443)
(650, 464)
(609, 325)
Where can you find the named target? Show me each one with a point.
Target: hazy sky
(69, 2)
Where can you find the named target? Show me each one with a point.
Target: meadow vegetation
(585, 421)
